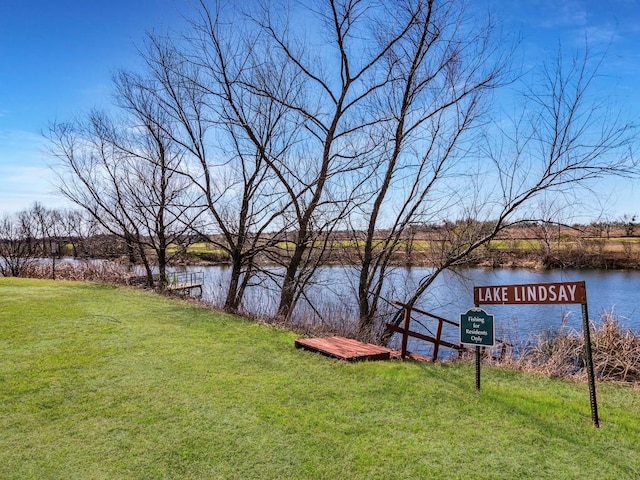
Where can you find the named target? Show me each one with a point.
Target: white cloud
(25, 177)
(553, 14)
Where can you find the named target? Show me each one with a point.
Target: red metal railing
(437, 340)
(406, 332)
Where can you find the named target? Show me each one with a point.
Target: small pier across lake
(185, 282)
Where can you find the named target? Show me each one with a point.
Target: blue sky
(57, 57)
(56, 61)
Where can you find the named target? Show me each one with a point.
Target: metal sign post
(476, 329)
(547, 293)
(589, 363)
(477, 368)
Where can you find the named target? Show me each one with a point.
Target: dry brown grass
(616, 353)
(98, 271)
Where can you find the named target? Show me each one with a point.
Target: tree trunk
(289, 283)
(232, 302)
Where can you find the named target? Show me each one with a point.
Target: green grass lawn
(99, 382)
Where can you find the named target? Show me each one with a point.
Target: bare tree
(123, 172)
(563, 140)
(46, 227)
(212, 87)
(18, 247)
(162, 201)
(77, 228)
(258, 130)
(441, 71)
(91, 171)
(342, 73)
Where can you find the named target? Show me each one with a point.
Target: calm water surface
(452, 294)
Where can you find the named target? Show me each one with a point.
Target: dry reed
(615, 349)
(108, 272)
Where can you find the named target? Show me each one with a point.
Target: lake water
(333, 294)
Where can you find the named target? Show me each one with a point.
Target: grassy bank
(98, 382)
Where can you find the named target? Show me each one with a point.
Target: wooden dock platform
(352, 350)
(344, 348)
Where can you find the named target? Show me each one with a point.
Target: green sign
(476, 328)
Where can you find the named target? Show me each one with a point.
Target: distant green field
(201, 247)
(522, 244)
(613, 244)
(99, 382)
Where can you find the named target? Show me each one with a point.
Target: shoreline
(492, 259)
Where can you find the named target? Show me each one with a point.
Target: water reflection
(333, 293)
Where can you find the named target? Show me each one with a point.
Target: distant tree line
(269, 136)
(29, 236)
(39, 232)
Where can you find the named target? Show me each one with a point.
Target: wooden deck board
(344, 348)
